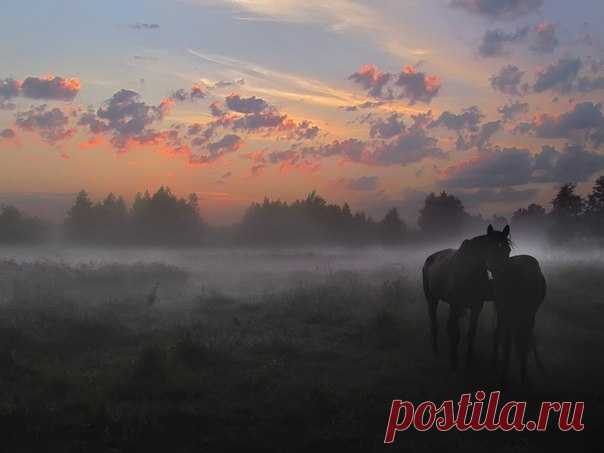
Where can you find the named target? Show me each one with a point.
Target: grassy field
(91, 360)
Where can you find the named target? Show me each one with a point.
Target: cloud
(6, 105)
(587, 85)
(574, 164)
(410, 146)
(417, 86)
(364, 105)
(362, 183)
(9, 88)
(515, 167)
(522, 128)
(303, 130)
(126, 117)
(258, 117)
(512, 110)
(7, 134)
(371, 79)
(387, 128)
(584, 122)
(494, 41)
(410, 84)
(246, 105)
(197, 91)
(508, 81)
(229, 83)
(216, 109)
(565, 77)
(51, 88)
(482, 139)
(468, 119)
(47, 88)
(143, 26)
(228, 143)
(470, 133)
(52, 125)
(498, 9)
(259, 120)
(546, 40)
(498, 168)
(543, 39)
(503, 195)
(558, 76)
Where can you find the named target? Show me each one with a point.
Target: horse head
(498, 248)
(489, 250)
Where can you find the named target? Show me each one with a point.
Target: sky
(376, 103)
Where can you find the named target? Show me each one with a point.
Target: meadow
(264, 350)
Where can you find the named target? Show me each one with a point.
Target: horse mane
(478, 241)
(470, 249)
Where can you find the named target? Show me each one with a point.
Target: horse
(519, 288)
(459, 277)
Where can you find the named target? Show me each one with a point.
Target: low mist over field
(256, 270)
(139, 344)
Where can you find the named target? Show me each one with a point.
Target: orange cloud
(93, 142)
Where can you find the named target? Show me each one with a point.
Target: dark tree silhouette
(308, 220)
(80, 221)
(594, 208)
(566, 214)
(392, 228)
(166, 219)
(159, 219)
(531, 220)
(442, 215)
(15, 227)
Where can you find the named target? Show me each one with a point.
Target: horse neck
(473, 251)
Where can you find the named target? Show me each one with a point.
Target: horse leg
(496, 337)
(432, 306)
(538, 360)
(453, 331)
(507, 349)
(474, 314)
(522, 340)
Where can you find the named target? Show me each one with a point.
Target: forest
(163, 218)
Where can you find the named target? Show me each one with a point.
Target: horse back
(435, 272)
(522, 283)
(447, 276)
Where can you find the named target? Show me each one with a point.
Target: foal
(519, 287)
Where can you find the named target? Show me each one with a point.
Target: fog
(254, 270)
(118, 336)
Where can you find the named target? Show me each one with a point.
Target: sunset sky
(372, 102)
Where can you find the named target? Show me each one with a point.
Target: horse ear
(490, 229)
(506, 231)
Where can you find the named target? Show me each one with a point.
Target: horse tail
(543, 288)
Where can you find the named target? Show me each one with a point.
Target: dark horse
(519, 287)
(460, 278)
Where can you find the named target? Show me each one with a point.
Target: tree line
(163, 218)
(314, 220)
